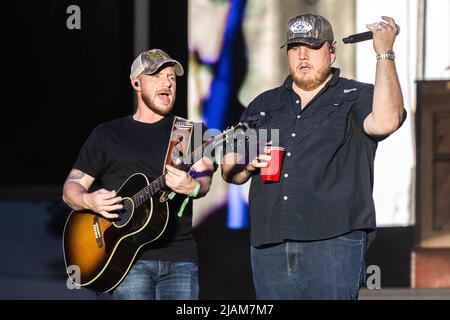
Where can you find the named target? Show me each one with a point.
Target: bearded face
(158, 91)
(309, 67)
(160, 104)
(307, 77)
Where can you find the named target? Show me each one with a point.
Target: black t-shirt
(117, 149)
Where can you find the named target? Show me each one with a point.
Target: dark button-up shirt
(326, 182)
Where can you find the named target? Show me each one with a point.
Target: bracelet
(390, 55)
(186, 200)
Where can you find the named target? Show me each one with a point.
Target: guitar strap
(178, 146)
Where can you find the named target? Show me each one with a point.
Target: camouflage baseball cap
(150, 61)
(310, 29)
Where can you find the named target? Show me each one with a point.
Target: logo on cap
(157, 54)
(301, 27)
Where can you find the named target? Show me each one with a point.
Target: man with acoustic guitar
(164, 264)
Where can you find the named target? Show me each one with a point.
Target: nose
(303, 53)
(166, 81)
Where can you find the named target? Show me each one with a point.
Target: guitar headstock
(230, 136)
(233, 132)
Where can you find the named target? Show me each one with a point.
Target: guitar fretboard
(186, 163)
(147, 192)
(159, 183)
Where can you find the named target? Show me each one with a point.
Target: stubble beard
(161, 110)
(313, 80)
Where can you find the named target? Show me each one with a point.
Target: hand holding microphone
(374, 29)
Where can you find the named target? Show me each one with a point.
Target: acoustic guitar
(99, 252)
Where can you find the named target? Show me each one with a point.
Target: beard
(311, 81)
(161, 110)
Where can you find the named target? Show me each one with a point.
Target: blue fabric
(159, 280)
(325, 269)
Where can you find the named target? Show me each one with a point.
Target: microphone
(363, 36)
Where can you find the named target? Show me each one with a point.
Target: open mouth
(164, 97)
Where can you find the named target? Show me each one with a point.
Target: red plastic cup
(272, 171)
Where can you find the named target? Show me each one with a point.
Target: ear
(136, 84)
(333, 49)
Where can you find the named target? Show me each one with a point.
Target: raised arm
(387, 108)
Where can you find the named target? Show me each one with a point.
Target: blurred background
(67, 70)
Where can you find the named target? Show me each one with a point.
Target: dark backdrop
(61, 83)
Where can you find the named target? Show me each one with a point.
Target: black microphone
(363, 36)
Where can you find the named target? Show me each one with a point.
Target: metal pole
(421, 39)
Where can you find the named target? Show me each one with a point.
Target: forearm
(235, 173)
(73, 195)
(387, 109)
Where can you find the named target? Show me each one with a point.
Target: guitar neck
(147, 192)
(185, 164)
(160, 183)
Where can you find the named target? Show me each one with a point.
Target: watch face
(391, 54)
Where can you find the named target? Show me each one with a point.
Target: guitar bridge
(97, 232)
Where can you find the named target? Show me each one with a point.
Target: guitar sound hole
(125, 213)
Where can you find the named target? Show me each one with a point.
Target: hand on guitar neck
(179, 181)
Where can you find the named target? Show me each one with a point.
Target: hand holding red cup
(272, 171)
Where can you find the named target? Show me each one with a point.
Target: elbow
(66, 200)
(64, 195)
(388, 125)
(395, 122)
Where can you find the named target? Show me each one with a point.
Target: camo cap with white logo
(310, 29)
(150, 61)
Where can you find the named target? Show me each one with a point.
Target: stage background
(61, 83)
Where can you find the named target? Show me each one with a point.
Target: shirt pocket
(266, 123)
(332, 119)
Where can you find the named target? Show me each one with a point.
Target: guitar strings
(104, 223)
(158, 183)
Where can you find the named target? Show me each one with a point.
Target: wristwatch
(390, 55)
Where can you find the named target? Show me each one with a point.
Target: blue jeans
(159, 280)
(325, 269)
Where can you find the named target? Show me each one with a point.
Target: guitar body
(104, 250)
